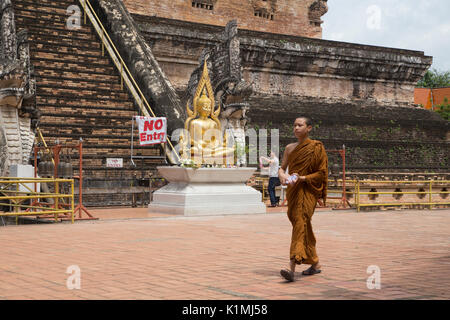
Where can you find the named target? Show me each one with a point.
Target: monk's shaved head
(308, 120)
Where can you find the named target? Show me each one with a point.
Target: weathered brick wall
(292, 17)
(377, 138)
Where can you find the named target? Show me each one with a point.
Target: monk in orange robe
(307, 160)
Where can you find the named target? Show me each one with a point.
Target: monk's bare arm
(284, 163)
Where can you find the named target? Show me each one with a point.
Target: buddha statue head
(204, 105)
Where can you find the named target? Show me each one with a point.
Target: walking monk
(307, 160)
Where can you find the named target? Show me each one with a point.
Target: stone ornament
(316, 11)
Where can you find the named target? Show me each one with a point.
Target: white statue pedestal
(206, 191)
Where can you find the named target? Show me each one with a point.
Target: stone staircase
(80, 96)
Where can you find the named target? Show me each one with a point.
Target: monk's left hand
(299, 178)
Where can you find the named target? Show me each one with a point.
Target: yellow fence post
(430, 195)
(73, 202)
(56, 200)
(357, 195)
(263, 189)
(16, 208)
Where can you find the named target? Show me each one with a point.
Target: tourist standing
(274, 180)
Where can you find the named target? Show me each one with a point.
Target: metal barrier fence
(15, 193)
(353, 189)
(405, 183)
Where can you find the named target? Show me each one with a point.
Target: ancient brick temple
(358, 95)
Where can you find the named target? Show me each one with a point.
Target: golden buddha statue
(203, 125)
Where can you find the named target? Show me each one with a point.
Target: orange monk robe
(307, 159)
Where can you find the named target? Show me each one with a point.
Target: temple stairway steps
(79, 95)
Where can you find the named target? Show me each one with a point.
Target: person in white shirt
(274, 181)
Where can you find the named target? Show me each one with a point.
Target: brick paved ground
(228, 257)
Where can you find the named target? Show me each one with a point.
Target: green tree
(434, 79)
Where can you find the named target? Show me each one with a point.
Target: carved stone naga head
(316, 11)
(17, 85)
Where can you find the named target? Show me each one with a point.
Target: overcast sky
(422, 25)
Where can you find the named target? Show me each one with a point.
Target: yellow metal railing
(121, 66)
(356, 185)
(422, 183)
(263, 181)
(15, 191)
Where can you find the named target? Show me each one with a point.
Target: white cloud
(420, 25)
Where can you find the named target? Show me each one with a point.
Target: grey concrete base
(206, 191)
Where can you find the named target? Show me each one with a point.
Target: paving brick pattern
(228, 257)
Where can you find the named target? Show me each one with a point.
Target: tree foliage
(435, 79)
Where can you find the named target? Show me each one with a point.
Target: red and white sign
(152, 130)
(114, 162)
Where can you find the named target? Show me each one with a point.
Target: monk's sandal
(288, 275)
(310, 271)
